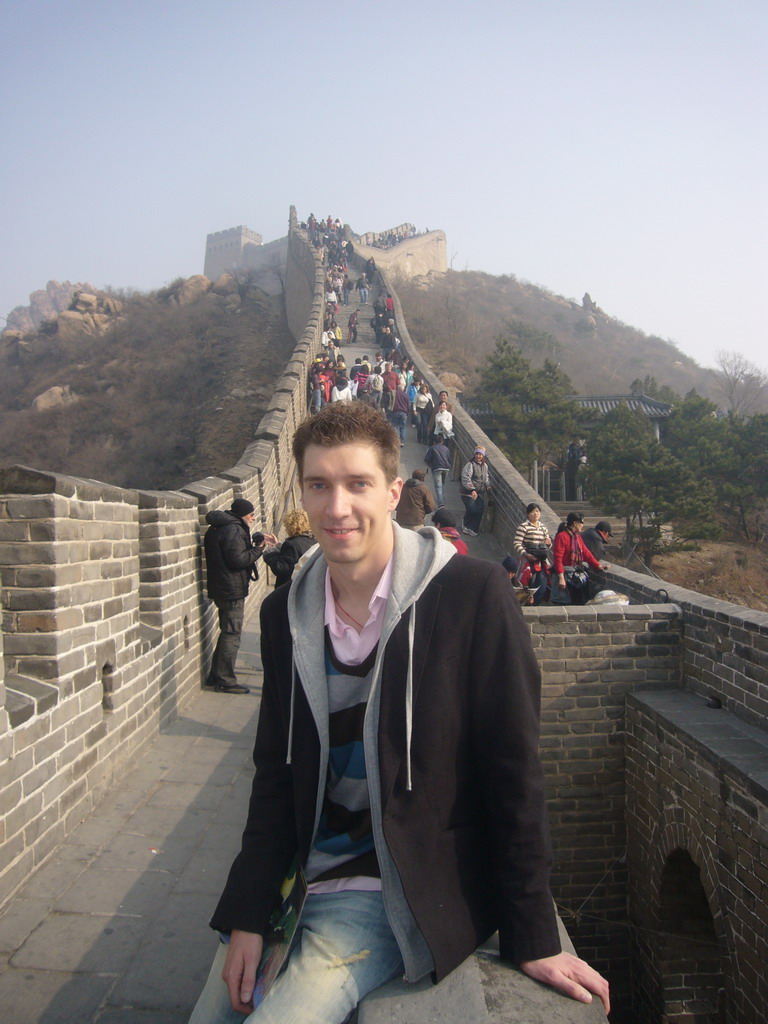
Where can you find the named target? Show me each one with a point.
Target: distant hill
(143, 390)
(154, 390)
(456, 318)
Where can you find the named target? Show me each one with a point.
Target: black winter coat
(470, 841)
(594, 542)
(282, 561)
(230, 557)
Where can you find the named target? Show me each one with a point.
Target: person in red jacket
(568, 551)
(445, 522)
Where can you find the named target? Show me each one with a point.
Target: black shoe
(235, 688)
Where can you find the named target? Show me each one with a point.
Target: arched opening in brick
(689, 960)
(107, 686)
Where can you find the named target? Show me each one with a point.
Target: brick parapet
(86, 575)
(725, 650)
(591, 658)
(74, 652)
(697, 781)
(105, 630)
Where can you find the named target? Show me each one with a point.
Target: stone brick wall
(697, 782)
(595, 663)
(415, 257)
(229, 249)
(726, 645)
(590, 659)
(96, 656)
(106, 631)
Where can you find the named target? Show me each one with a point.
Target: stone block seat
(483, 990)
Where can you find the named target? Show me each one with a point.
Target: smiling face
(348, 500)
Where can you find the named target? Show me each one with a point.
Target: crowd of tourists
(389, 239)
(540, 569)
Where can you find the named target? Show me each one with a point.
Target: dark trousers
(231, 615)
(474, 511)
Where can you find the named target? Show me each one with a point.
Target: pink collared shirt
(349, 646)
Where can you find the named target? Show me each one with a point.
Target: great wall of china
(653, 721)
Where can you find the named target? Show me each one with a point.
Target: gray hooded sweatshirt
(418, 557)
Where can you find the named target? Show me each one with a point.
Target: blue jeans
(422, 431)
(400, 423)
(474, 512)
(363, 295)
(438, 479)
(343, 949)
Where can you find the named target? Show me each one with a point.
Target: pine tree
(631, 474)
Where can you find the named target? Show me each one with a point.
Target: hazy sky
(612, 146)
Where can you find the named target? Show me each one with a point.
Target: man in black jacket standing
(230, 558)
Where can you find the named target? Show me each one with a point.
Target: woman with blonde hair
(282, 560)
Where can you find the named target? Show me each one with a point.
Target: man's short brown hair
(349, 423)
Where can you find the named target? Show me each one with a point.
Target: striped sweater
(343, 844)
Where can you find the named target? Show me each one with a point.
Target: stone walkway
(412, 455)
(113, 928)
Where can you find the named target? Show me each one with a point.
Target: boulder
(452, 382)
(46, 303)
(192, 289)
(20, 318)
(85, 302)
(111, 305)
(53, 398)
(226, 285)
(71, 325)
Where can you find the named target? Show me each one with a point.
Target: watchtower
(229, 250)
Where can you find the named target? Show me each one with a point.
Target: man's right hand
(239, 974)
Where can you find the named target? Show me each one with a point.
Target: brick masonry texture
(697, 780)
(107, 634)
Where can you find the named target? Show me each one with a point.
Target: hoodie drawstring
(409, 697)
(289, 753)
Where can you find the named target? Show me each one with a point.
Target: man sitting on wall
(396, 758)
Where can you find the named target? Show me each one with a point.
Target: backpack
(377, 384)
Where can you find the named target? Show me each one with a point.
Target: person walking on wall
(415, 502)
(475, 487)
(438, 458)
(231, 555)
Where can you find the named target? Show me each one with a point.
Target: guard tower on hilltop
(231, 249)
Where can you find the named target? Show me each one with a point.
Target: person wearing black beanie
(231, 554)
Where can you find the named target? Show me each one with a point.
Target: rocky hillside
(142, 390)
(45, 304)
(457, 317)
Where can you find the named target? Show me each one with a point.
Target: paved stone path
(113, 928)
(412, 455)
